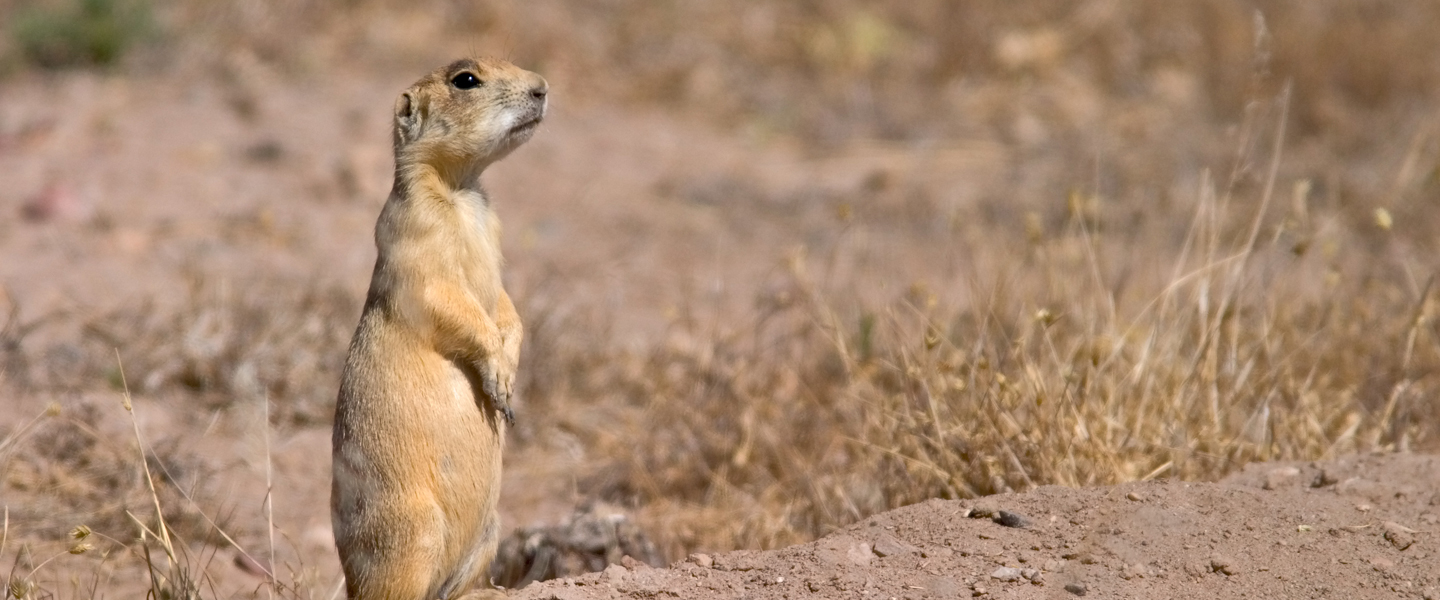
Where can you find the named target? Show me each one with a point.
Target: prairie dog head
(466, 115)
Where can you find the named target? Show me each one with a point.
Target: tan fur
(425, 396)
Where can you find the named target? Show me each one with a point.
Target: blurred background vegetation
(823, 69)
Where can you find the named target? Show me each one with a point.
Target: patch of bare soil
(1359, 527)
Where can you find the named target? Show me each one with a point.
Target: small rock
(1031, 575)
(703, 560)
(614, 573)
(1383, 565)
(1134, 497)
(1076, 588)
(1281, 477)
(859, 554)
(1324, 478)
(1398, 535)
(1006, 574)
(1052, 565)
(978, 590)
(1010, 519)
(889, 545)
(1224, 565)
(981, 512)
(1128, 572)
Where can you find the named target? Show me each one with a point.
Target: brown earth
(876, 276)
(1358, 527)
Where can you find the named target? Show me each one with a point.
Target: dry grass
(1076, 360)
(1228, 281)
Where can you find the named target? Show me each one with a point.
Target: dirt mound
(1360, 527)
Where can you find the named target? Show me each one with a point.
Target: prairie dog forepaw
(499, 384)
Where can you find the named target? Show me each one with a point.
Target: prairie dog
(425, 396)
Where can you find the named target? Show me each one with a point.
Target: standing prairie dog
(425, 396)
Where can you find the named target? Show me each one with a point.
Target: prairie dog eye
(466, 81)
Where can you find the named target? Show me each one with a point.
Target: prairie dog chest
(478, 247)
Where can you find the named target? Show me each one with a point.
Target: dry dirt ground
(1359, 527)
(125, 191)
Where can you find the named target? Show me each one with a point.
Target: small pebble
(1134, 497)
(889, 545)
(703, 560)
(1076, 588)
(1219, 563)
(1281, 478)
(1398, 535)
(1006, 574)
(1128, 572)
(1010, 519)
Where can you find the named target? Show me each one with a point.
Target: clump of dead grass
(88, 495)
(81, 470)
(1085, 354)
(815, 416)
(239, 345)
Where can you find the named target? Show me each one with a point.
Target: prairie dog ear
(407, 118)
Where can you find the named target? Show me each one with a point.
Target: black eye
(466, 81)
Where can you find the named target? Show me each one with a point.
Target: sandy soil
(151, 181)
(1359, 527)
